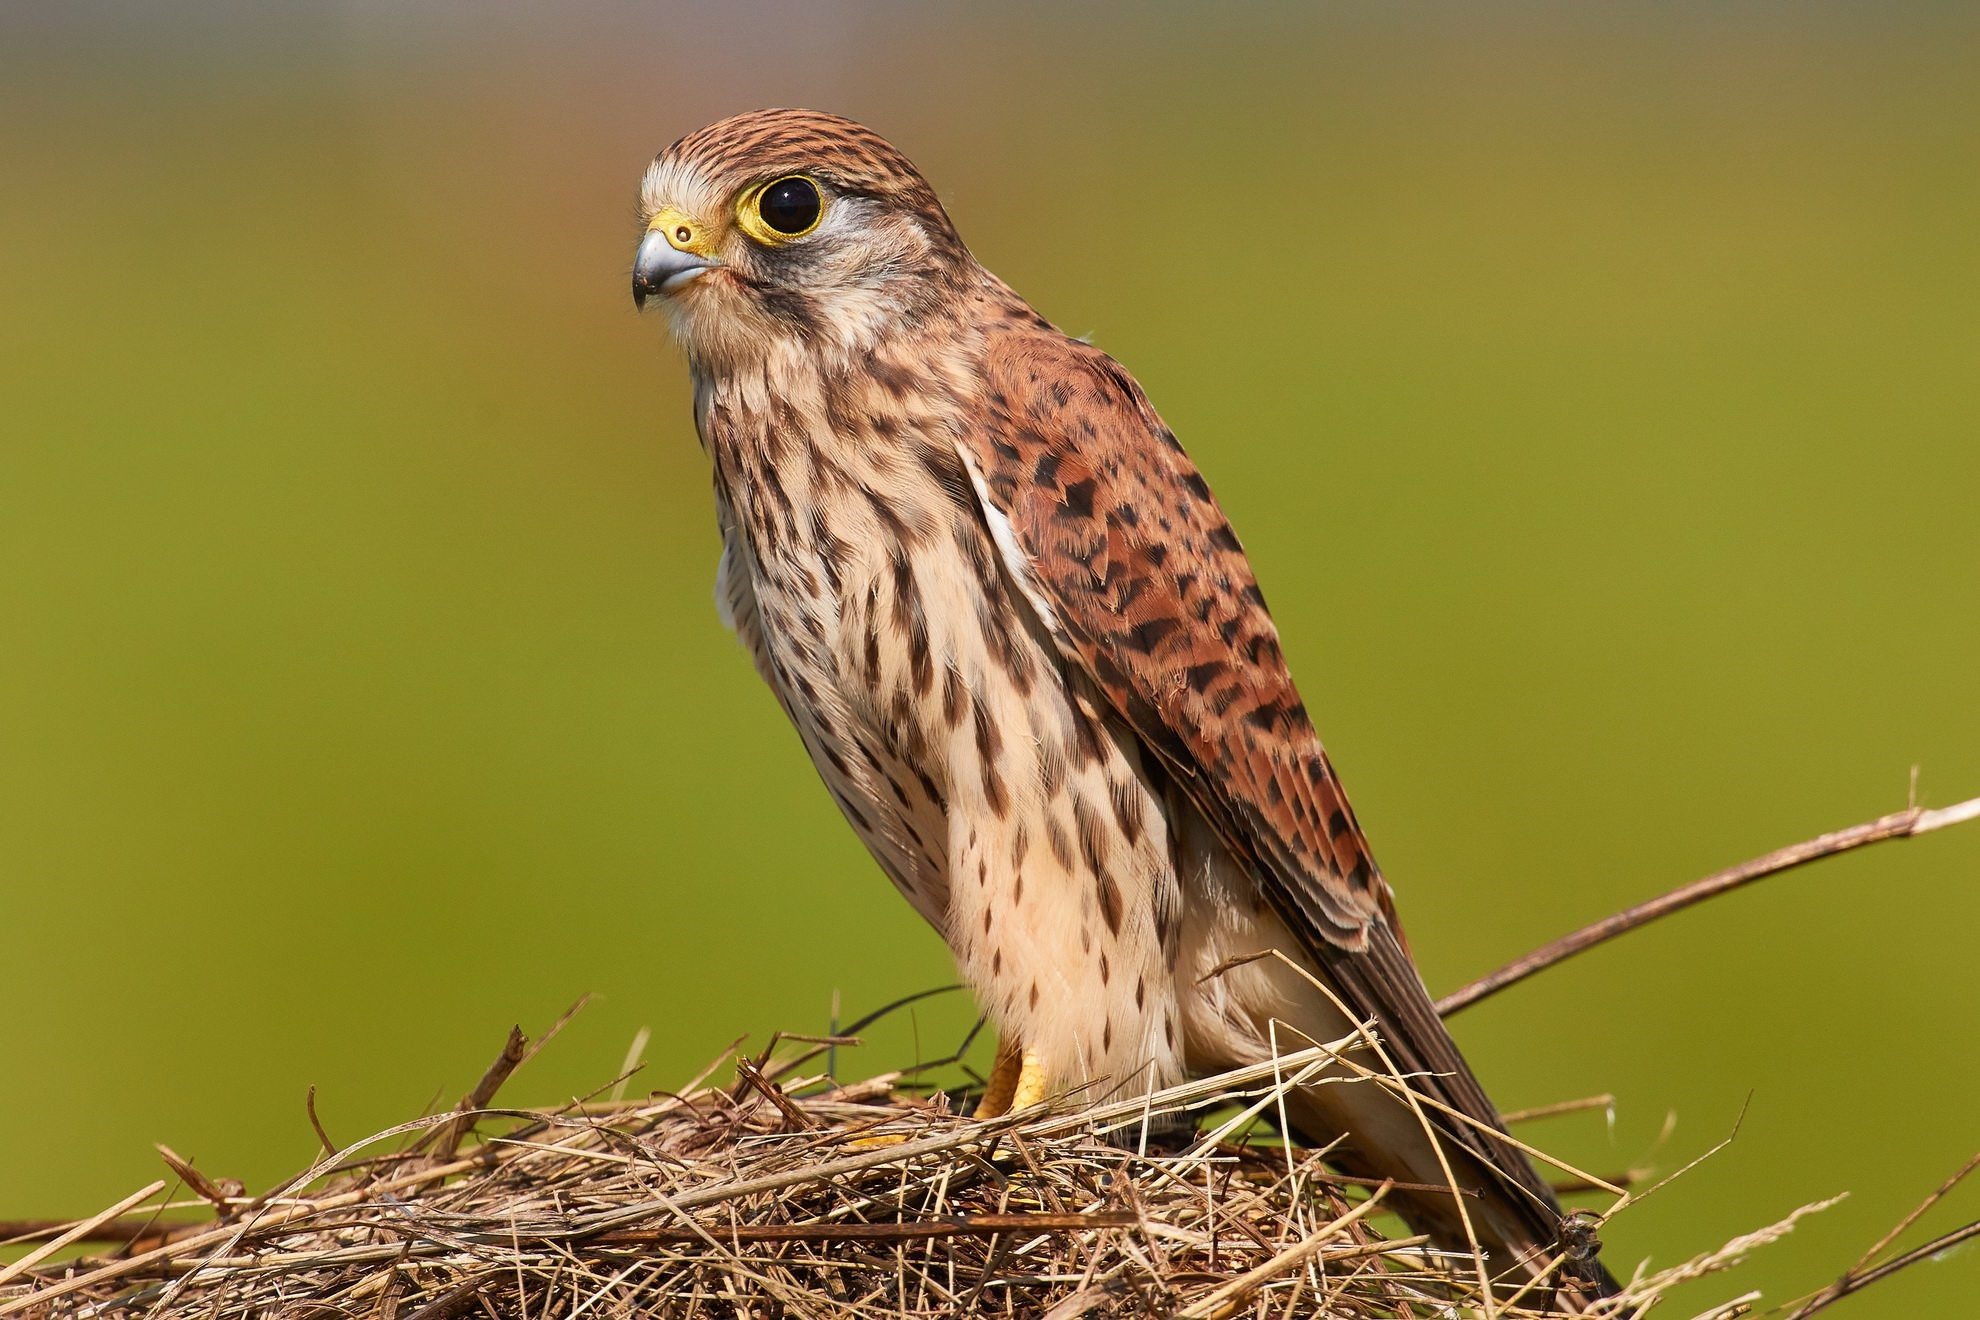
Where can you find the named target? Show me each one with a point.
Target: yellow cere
(683, 231)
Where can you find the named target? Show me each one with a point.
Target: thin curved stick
(1850, 1283)
(1864, 1273)
(1898, 825)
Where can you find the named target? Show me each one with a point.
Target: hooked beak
(660, 267)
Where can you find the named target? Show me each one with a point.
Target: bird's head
(793, 230)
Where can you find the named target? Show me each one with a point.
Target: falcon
(1030, 661)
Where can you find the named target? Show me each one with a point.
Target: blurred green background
(1595, 388)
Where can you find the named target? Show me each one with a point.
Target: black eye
(789, 206)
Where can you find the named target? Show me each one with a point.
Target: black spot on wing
(1077, 499)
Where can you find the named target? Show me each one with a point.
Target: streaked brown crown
(763, 144)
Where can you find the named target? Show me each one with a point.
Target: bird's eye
(790, 206)
(785, 208)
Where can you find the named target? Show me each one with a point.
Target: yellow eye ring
(781, 210)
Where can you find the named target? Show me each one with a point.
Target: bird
(1030, 660)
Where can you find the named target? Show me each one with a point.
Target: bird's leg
(1017, 1081)
(1033, 1085)
(1003, 1082)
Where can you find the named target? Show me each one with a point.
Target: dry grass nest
(787, 1193)
(783, 1192)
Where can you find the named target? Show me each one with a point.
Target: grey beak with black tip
(660, 267)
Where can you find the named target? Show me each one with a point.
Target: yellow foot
(1017, 1081)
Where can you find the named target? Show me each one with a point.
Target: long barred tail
(1384, 1139)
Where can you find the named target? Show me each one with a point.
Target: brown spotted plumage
(1028, 656)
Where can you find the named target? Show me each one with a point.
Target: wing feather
(1123, 551)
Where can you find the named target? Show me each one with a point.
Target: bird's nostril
(684, 234)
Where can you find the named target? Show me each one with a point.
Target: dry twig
(1864, 1273)
(1906, 824)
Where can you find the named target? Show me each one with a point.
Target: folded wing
(1114, 537)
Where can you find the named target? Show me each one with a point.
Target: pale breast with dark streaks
(867, 583)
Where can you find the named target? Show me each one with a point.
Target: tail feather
(1504, 1206)
(1377, 1136)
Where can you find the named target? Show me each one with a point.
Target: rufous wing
(1113, 536)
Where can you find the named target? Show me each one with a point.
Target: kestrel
(1028, 656)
